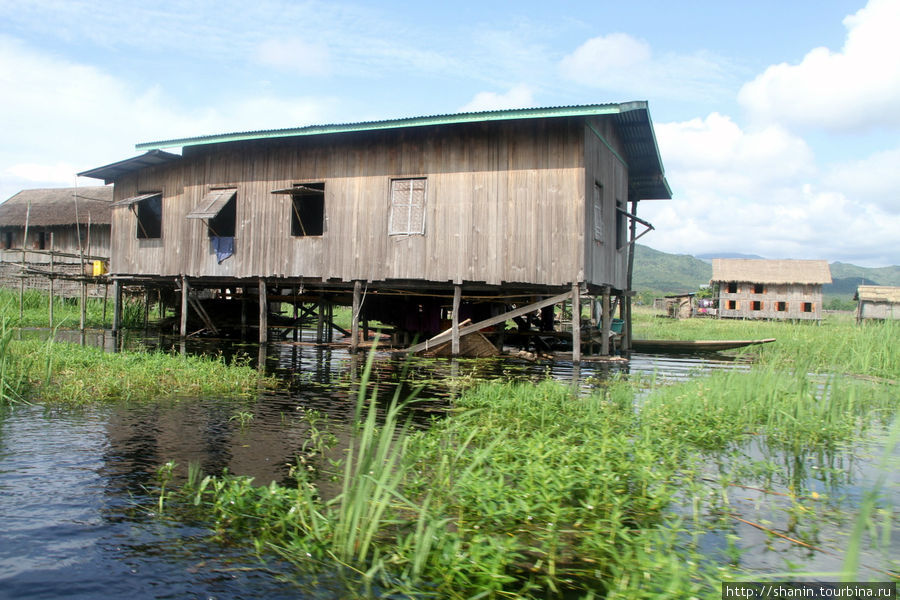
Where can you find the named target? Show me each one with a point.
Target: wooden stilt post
(457, 298)
(626, 338)
(354, 317)
(160, 307)
(330, 308)
(296, 323)
(243, 313)
(146, 307)
(576, 323)
(83, 319)
(263, 312)
(320, 321)
(117, 306)
(51, 280)
(185, 305)
(607, 322)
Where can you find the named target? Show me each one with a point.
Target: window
(598, 213)
(40, 240)
(407, 207)
(218, 209)
(308, 209)
(7, 240)
(781, 306)
(732, 287)
(759, 288)
(732, 305)
(756, 305)
(149, 217)
(807, 307)
(621, 224)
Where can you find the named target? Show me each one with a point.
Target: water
(77, 521)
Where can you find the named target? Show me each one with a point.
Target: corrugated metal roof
(754, 270)
(212, 204)
(646, 174)
(445, 119)
(111, 172)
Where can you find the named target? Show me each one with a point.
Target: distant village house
(877, 302)
(770, 289)
(54, 233)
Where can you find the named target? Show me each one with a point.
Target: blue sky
(778, 122)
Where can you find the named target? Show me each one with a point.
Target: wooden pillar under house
(354, 317)
(297, 325)
(626, 338)
(263, 312)
(457, 298)
(83, 319)
(185, 305)
(576, 323)
(51, 286)
(117, 306)
(606, 319)
(320, 321)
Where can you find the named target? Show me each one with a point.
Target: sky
(778, 122)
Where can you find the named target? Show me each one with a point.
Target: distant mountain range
(674, 273)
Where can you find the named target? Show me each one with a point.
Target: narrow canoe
(693, 345)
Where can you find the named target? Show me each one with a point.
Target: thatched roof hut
(52, 207)
(771, 271)
(877, 302)
(878, 293)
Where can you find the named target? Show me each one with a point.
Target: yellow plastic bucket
(99, 268)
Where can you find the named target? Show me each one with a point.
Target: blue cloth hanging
(224, 247)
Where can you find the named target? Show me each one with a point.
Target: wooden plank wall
(605, 264)
(505, 202)
(65, 239)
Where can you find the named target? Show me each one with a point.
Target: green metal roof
(449, 119)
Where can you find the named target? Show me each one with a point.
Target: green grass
(67, 311)
(836, 345)
(61, 372)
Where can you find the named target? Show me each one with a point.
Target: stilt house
(54, 234)
(418, 223)
(770, 289)
(877, 302)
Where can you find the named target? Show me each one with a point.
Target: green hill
(669, 273)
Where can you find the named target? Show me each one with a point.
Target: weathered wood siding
(868, 309)
(605, 262)
(793, 296)
(505, 202)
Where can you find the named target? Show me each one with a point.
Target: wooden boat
(693, 345)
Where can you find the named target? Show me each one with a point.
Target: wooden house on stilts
(419, 223)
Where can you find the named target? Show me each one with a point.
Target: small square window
(759, 288)
(407, 207)
(756, 305)
(731, 287)
(732, 305)
(807, 307)
(781, 306)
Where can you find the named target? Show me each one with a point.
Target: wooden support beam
(576, 323)
(607, 322)
(185, 304)
(263, 312)
(117, 306)
(457, 298)
(83, 319)
(354, 317)
(463, 331)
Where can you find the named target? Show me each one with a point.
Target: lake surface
(76, 520)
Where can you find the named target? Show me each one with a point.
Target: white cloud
(876, 177)
(621, 63)
(295, 55)
(761, 192)
(858, 87)
(519, 96)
